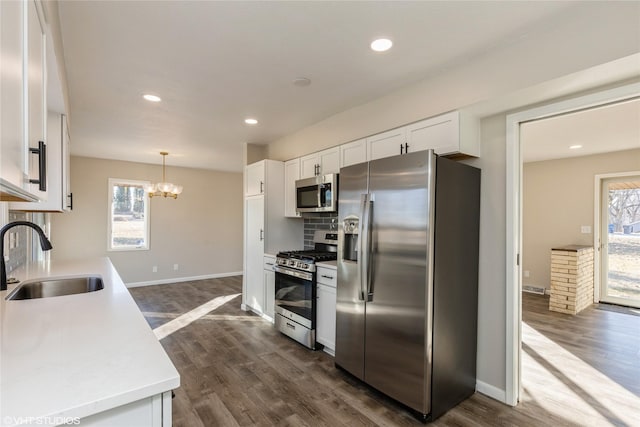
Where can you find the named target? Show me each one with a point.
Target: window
(128, 215)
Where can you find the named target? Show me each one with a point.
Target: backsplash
(318, 221)
(18, 254)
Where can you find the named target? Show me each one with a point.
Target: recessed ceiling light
(575, 147)
(381, 45)
(152, 98)
(301, 81)
(251, 121)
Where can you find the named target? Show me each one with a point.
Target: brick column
(571, 279)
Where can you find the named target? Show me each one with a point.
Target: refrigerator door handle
(365, 248)
(361, 247)
(368, 250)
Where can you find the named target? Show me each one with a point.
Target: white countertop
(77, 355)
(328, 264)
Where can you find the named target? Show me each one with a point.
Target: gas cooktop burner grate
(310, 255)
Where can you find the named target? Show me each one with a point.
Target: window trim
(147, 209)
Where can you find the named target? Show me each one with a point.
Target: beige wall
(201, 231)
(538, 69)
(558, 197)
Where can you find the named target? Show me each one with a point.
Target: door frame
(513, 337)
(597, 233)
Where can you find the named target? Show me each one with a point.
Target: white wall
(556, 59)
(201, 231)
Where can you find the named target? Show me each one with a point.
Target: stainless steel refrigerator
(407, 291)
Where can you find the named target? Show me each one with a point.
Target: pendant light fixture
(164, 188)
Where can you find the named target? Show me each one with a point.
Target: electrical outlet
(585, 229)
(175, 267)
(526, 273)
(154, 269)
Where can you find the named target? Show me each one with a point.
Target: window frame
(147, 208)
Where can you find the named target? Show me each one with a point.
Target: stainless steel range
(295, 299)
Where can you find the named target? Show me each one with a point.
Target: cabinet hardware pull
(261, 187)
(269, 263)
(326, 277)
(406, 148)
(401, 148)
(41, 151)
(70, 197)
(261, 234)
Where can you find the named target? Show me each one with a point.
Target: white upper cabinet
(320, 163)
(353, 153)
(330, 161)
(254, 179)
(451, 134)
(36, 99)
(12, 155)
(23, 87)
(439, 133)
(386, 144)
(445, 134)
(291, 175)
(59, 197)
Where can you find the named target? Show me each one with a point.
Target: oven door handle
(295, 273)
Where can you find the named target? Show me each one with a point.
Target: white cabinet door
(154, 411)
(254, 179)
(67, 195)
(326, 316)
(269, 292)
(36, 89)
(254, 252)
(291, 175)
(58, 188)
(353, 153)
(329, 161)
(320, 163)
(12, 155)
(309, 166)
(386, 144)
(440, 133)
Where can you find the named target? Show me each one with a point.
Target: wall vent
(533, 289)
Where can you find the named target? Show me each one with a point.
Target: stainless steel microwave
(317, 194)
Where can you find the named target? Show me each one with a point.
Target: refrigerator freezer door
(398, 322)
(350, 307)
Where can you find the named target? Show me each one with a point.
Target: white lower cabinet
(326, 308)
(269, 285)
(154, 411)
(255, 232)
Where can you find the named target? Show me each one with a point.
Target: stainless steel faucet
(45, 244)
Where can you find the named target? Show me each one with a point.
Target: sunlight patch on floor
(564, 374)
(191, 316)
(163, 315)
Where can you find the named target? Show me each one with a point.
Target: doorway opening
(618, 215)
(514, 220)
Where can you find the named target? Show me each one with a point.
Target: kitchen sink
(56, 287)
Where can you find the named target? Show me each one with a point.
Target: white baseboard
(491, 391)
(182, 279)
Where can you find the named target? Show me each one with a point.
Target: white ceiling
(216, 63)
(609, 128)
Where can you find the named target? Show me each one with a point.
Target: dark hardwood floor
(235, 370)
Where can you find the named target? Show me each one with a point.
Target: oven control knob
(305, 266)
